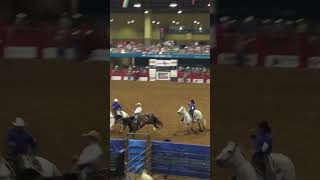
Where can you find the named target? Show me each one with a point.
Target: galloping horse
(231, 156)
(141, 122)
(187, 119)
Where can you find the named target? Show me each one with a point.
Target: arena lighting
(266, 21)
(180, 11)
(173, 5)
(132, 21)
(195, 22)
(209, 5)
(129, 22)
(111, 20)
(278, 21)
(180, 28)
(173, 22)
(153, 22)
(137, 5)
(198, 22)
(158, 22)
(200, 28)
(146, 11)
(177, 23)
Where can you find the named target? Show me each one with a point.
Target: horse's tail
(159, 122)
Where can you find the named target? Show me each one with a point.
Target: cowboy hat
(138, 104)
(19, 122)
(92, 133)
(116, 100)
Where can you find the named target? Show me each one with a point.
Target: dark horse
(142, 120)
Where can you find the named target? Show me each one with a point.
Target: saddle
(28, 162)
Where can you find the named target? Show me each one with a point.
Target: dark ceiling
(161, 5)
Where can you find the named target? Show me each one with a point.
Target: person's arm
(89, 156)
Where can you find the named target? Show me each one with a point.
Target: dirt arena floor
(164, 99)
(59, 102)
(289, 98)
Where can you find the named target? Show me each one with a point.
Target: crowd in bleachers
(78, 32)
(167, 47)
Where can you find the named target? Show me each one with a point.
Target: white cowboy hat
(19, 122)
(92, 133)
(138, 104)
(115, 100)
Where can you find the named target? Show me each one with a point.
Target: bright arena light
(153, 22)
(137, 5)
(195, 22)
(180, 11)
(173, 22)
(173, 5)
(158, 22)
(146, 11)
(209, 5)
(177, 23)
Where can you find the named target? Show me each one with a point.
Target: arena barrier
(188, 77)
(186, 160)
(43, 42)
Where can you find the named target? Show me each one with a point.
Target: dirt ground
(164, 99)
(289, 98)
(59, 101)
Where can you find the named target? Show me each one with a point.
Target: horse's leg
(193, 129)
(200, 129)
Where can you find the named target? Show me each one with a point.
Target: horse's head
(180, 110)
(226, 155)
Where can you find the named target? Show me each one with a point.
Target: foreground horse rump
(231, 156)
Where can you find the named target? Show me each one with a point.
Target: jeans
(86, 172)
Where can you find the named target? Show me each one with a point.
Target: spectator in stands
(64, 26)
(76, 35)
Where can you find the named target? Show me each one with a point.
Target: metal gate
(138, 154)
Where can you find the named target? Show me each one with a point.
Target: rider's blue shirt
(260, 140)
(20, 141)
(192, 106)
(116, 106)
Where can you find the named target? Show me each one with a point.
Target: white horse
(231, 156)
(112, 121)
(187, 119)
(120, 115)
(48, 169)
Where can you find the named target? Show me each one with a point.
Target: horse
(117, 118)
(187, 120)
(47, 169)
(112, 121)
(231, 156)
(141, 121)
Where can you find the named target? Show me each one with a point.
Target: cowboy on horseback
(21, 144)
(116, 108)
(137, 112)
(263, 148)
(192, 108)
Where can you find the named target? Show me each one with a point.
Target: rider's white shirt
(91, 154)
(138, 110)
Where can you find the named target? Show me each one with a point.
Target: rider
(192, 108)
(19, 142)
(263, 148)
(91, 156)
(137, 112)
(116, 107)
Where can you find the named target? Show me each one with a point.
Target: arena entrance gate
(138, 155)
